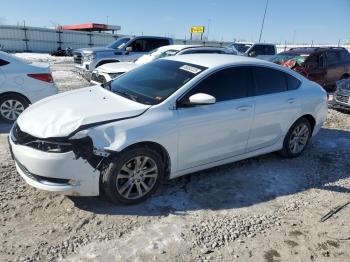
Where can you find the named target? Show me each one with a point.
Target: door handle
(244, 108)
(291, 100)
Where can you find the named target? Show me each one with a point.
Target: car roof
(176, 47)
(252, 43)
(310, 50)
(144, 36)
(218, 60)
(206, 47)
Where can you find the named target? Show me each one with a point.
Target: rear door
(276, 106)
(334, 67)
(208, 133)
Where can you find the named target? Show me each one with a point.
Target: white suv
(123, 49)
(165, 119)
(258, 50)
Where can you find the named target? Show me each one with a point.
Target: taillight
(42, 77)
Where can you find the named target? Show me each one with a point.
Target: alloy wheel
(11, 109)
(299, 138)
(137, 177)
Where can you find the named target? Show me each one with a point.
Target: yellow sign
(197, 29)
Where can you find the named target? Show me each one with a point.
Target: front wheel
(297, 138)
(133, 176)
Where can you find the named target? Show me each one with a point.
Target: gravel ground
(261, 209)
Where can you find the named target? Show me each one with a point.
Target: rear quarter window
(292, 82)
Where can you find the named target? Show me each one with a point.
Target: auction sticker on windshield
(191, 69)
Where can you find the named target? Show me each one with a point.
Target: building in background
(91, 27)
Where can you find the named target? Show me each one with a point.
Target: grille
(343, 99)
(98, 78)
(77, 58)
(22, 138)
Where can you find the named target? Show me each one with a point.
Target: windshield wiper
(126, 94)
(107, 85)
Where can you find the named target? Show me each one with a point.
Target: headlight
(50, 147)
(89, 57)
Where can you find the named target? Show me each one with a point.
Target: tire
(122, 180)
(11, 106)
(300, 132)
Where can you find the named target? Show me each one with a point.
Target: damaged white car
(165, 119)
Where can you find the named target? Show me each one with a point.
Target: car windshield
(242, 48)
(155, 54)
(161, 52)
(119, 43)
(152, 83)
(282, 58)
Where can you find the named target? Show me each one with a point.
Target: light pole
(263, 21)
(209, 20)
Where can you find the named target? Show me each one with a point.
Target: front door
(208, 133)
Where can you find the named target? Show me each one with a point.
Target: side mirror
(252, 54)
(201, 99)
(128, 50)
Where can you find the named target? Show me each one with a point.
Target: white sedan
(21, 84)
(109, 71)
(165, 119)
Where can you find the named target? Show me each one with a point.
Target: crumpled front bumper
(56, 172)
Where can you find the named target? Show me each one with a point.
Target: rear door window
(344, 56)
(263, 50)
(332, 58)
(270, 50)
(151, 43)
(269, 81)
(257, 49)
(138, 45)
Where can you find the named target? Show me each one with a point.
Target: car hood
(119, 67)
(60, 115)
(95, 49)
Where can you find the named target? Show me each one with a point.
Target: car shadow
(5, 127)
(244, 183)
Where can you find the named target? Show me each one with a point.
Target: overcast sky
(323, 21)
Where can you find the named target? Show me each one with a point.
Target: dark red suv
(324, 65)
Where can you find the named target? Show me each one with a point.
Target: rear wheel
(133, 176)
(297, 138)
(11, 106)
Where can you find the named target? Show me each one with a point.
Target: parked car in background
(21, 84)
(258, 50)
(341, 97)
(324, 65)
(121, 50)
(107, 72)
(165, 119)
